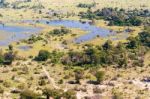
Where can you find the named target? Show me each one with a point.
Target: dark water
(16, 33)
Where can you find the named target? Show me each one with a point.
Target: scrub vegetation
(50, 64)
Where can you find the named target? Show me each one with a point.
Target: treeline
(120, 55)
(119, 17)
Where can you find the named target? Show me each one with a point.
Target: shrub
(55, 93)
(70, 94)
(58, 94)
(7, 84)
(61, 81)
(61, 31)
(79, 74)
(42, 82)
(1, 89)
(144, 38)
(10, 47)
(1, 59)
(100, 76)
(42, 56)
(8, 58)
(29, 94)
(34, 39)
(82, 5)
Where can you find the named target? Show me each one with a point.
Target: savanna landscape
(74, 49)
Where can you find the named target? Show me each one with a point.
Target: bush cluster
(61, 31)
(118, 17)
(44, 55)
(83, 5)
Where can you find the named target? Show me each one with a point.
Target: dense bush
(133, 43)
(145, 38)
(108, 54)
(34, 39)
(118, 17)
(55, 56)
(61, 31)
(42, 56)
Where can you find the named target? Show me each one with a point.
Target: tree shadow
(72, 82)
(93, 82)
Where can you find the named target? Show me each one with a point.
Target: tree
(133, 43)
(54, 93)
(100, 76)
(8, 58)
(93, 55)
(79, 73)
(135, 21)
(42, 56)
(10, 47)
(144, 38)
(107, 45)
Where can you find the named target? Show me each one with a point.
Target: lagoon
(9, 33)
(92, 30)
(16, 33)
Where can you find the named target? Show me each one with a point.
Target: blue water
(92, 31)
(25, 48)
(16, 33)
